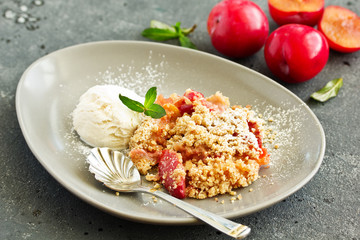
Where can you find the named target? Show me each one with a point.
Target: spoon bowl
(115, 169)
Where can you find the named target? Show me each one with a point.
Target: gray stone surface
(33, 205)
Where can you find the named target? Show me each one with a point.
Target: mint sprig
(149, 108)
(330, 90)
(160, 31)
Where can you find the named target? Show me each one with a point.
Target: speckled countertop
(33, 205)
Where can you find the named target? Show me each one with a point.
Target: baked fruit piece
(172, 173)
(201, 148)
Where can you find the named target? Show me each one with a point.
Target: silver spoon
(116, 170)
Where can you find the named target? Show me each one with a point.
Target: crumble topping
(218, 147)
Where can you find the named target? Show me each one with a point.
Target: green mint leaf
(177, 28)
(160, 25)
(150, 109)
(330, 90)
(132, 104)
(185, 42)
(158, 34)
(155, 111)
(160, 31)
(150, 97)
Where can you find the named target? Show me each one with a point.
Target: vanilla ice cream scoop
(102, 120)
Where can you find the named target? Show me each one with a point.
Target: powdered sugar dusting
(282, 136)
(137, 79)
(75, 148)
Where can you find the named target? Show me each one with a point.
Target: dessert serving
(201, 148)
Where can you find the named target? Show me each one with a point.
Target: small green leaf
(160, 25)
(158, 34)
(160, 31)
(150, 97)
(185, 42)
(150, 109)
(132, 104)
(155, 111)
(177, 26)
(330, 90)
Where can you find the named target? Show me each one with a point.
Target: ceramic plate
(50, 88)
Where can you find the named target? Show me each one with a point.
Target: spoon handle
(224, 225)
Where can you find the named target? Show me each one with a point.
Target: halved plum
(307, 12)
(341, 28)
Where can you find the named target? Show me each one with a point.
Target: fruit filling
(202, 147)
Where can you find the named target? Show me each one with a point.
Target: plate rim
(165, 220)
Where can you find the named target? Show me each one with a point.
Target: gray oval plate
(50, 88)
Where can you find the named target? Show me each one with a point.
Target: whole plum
(237, 28)
(296, 53)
